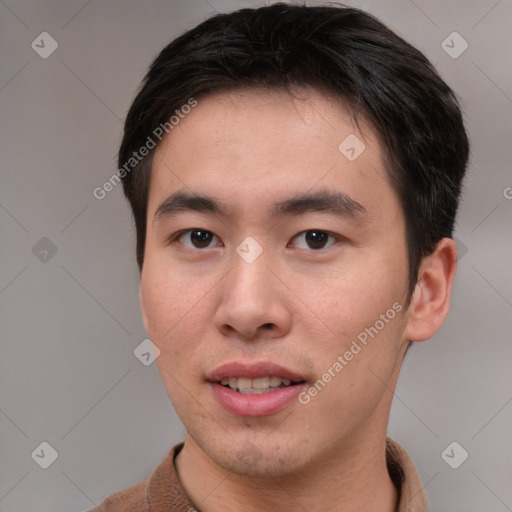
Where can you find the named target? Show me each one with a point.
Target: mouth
(255, 389)
(258, 385)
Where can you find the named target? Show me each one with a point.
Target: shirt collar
(165, 491)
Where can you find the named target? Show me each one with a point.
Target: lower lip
(256, 405)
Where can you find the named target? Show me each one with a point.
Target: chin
(249, 459)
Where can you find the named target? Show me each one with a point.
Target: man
(294, 175)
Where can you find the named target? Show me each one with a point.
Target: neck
(356, 481)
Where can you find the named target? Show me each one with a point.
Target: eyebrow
(333, 202)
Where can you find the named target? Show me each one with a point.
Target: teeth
(260, 383)
(275, 381)
(257, 386)
(244, 383)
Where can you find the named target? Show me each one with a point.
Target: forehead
(253, 145)
(273, 117)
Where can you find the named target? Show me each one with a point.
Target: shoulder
(161, 488)
(133, 499)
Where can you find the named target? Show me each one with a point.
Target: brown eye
(196, 238)
(315, 239)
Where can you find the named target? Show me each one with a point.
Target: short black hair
(336, 49)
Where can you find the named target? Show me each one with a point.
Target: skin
(296, 306)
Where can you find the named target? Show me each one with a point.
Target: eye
(197, 238)
(315, 239)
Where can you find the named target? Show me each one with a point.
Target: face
(293, 267)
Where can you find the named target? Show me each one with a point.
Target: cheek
(169, 307)
(171, 310)
(356, 356)
(359, 297)
(363, 304)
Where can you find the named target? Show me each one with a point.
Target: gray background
(70, 323)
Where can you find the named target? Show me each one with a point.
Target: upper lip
(252, 371)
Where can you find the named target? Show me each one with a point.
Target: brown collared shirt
(163, 492)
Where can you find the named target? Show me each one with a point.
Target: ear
(431, 298)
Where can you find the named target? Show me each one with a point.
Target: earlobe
(431, 298)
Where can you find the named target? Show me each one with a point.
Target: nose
(254, 302)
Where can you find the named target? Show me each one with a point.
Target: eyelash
(181, 233)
